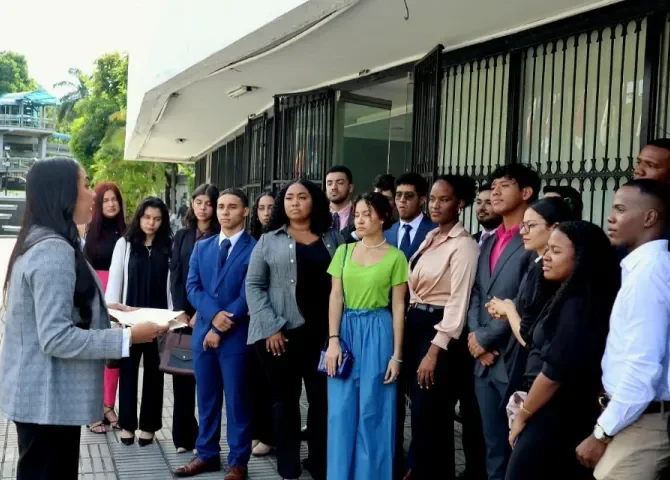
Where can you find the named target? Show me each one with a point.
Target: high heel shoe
(144, 441)
(127, 440)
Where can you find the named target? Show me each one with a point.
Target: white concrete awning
(180, 73)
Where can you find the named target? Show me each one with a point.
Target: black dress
(99, 251)
(567, 349)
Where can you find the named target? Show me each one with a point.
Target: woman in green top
(361, 408)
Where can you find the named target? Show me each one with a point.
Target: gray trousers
(490, 395)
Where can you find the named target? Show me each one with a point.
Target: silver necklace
(373, 246)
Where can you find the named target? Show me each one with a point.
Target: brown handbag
(177, 356)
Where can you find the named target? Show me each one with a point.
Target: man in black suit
(502, 265)
(487, 218)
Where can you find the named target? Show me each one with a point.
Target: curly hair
(379, 204)
(320, 218)
(256, 229)
(465, 188)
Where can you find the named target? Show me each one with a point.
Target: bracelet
(397, 360)
(333, 336)
(429, 357)
(526, 411)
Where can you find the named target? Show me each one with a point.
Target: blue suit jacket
(425, 226)
(212, 289)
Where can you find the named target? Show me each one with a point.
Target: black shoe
(127, 441)
(143, 442)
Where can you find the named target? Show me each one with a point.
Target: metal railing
(59, 148)
(27, 121)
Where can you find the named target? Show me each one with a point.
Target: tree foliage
(107, 94)
(14, 75)
(137, 180)
(77, 90)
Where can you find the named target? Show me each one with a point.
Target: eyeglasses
(528, 226)
(407, 195)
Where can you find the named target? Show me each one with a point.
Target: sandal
(101, 426)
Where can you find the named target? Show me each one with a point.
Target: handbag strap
(344, 261)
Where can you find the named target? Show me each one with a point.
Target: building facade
(575, 90)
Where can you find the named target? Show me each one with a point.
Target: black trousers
(285, 374)
(545, 449)
(151, 411)
(184, 423)
(433, 408)
(48, 452)
(261, 402)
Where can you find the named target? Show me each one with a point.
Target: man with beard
(339, 187)
(487, 218)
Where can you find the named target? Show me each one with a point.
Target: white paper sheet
(154, 315)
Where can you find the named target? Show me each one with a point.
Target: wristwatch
(599, 434)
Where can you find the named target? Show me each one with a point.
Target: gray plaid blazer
(51, 372)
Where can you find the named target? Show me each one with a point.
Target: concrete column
(43, 147)
(2, 146)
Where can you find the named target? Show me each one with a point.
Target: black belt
(426, 308)
(653, 407)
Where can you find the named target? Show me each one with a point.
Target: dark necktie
(336, 222)
(223, 252)
(485, 235)
(405, 243)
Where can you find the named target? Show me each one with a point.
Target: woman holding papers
(105, 229)
(139, 277)
(201, 223)
(57, 330)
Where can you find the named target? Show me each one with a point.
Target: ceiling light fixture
(241, 90)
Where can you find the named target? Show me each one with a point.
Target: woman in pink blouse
(441, 276)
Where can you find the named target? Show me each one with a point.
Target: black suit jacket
(184, 242)
(477, 236)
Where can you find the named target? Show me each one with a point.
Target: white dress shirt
(636, 360)
(412, 233)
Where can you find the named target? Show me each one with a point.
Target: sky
(57, 35)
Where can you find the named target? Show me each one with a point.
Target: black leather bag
(177, 356)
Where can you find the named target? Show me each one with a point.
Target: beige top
(444, 275)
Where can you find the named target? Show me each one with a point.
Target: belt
(426, 308)
(653, 407)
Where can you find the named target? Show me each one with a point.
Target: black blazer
(184, 241)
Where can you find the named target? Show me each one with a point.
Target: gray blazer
(503, 283)
(51, 372)
(271, 283)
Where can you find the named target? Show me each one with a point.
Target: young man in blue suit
(216, 288)
(411, 190)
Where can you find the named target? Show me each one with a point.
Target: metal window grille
(474, 120)
(303, 136)
(662, 123)
(256, 137)
(200, 170)
(581, 111)
(426, 105)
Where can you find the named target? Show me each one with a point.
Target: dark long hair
(95, 232)
(595, 279)
(52, 189)
(212, 192)
(320, 219)
(380, 204)
(136, 236)
(256, 229)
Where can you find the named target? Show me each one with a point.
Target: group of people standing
(553, 344)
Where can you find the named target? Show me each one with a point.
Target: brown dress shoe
(196, 467)
(236, 472)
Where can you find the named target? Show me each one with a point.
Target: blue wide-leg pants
(361, 408)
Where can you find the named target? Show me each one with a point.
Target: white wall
(170, 36)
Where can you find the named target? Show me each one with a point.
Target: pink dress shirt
(344, 214)
(503, 237)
